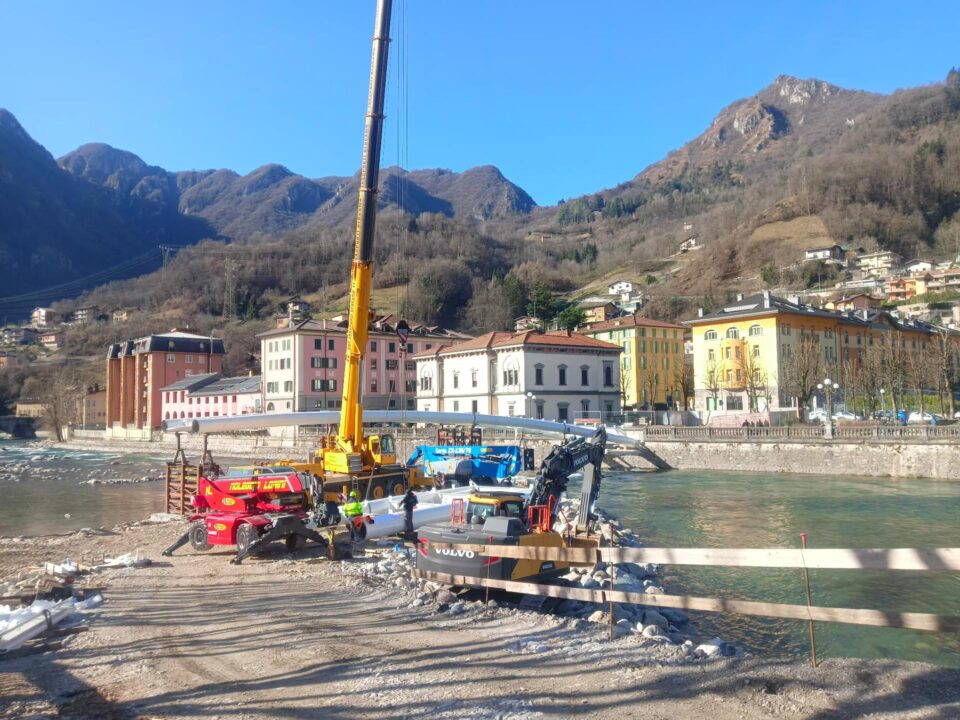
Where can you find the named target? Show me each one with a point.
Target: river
(41, 485)
(730, 510)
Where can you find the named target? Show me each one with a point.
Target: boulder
(569, 606)
(622, 628)
(458, 608)
(588, 583)
(653, 617)
(599, 616)
(654, 632)
(653, 590)
(715, 648)
(446, 597)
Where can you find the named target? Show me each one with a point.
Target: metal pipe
(329, 417)
(806, 579)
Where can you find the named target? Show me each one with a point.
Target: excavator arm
(582, 453)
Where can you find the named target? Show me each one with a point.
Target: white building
(42, 317)
(918, 266)
(551, 375)
(620, 287)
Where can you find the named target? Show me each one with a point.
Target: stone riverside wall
(898, 460)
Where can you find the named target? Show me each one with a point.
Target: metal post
(610, 527)
(806, 579)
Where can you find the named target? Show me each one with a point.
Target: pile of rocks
(394, 569)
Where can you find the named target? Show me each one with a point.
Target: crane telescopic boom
(350, 437)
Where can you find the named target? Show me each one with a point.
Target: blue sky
(565, 97)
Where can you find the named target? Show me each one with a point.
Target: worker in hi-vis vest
(353, 510)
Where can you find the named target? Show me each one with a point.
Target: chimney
(699, 312)
(795, 299)
(739, 297)
(766, 298)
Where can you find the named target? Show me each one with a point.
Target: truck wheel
(199, 539)
(292, 542)
(378, 491)
(246, 535)
(398, 488)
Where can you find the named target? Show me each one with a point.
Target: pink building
(302, 366)
(210, 395)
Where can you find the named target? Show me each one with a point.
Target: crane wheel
(378, 491)
(398, 488)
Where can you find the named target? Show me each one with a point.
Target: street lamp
(531, 398)
(882, 406)
(829, 388)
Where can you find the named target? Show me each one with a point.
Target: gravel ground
(195, 637)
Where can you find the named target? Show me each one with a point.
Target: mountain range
(802, 161)
(99, 213)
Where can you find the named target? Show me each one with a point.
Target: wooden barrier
(876, 618)
(813, 559)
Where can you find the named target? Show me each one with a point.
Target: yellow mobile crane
(349, 459)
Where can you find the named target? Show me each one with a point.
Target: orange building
(138, 369)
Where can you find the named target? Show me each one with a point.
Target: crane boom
(350, 436)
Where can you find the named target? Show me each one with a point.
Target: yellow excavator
(351, 460)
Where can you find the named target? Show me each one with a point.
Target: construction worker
(409, 502)
(353, 509)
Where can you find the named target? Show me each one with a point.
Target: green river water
(729, 510)
(40, 486)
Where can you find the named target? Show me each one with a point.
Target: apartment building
(210, 395)
(138, 369)
(302, 365)
(652, 363)
(555, 375)
(741, 351)
(43, 317)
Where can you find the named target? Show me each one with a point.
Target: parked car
(922, 417)
(817, 415)
(846, 415)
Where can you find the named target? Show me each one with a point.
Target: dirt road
(196, 637)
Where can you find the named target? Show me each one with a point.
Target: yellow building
(652, 362)
(741, 350)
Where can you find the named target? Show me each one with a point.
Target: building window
(733, 333)
(330, 344)
(473, 406)
(322, 362)
(373, 363)
(288, 386)
(188, 359)
(410, 347)
(739, 352)
(270, 407)
(584, 375)
(456, 406)
(584, 408)
(473, 378)
(426, 382)
(562, 375)
(710, 355)
(393, 364)
(391, 347)
(456, 379)
(273, 387)
(318, 344)
(726, 353)
(322, 385)
(729, 376)
(608, 374)
(392, 386)
(511, 409)
(373, 385)
(734, 402)
(171, 358)
(410, 386)
(410, 365)
(539, 409)
(373, 346)
(755, 330)
(563, 412)
(756, 351)
(538, 374)
(710, 335)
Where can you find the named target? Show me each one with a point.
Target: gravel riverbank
(299, 637)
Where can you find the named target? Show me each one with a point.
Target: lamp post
(882, 405)
(531, 398)
(829, 388)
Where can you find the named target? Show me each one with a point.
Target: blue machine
(484, 464)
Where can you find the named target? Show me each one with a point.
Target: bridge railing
(843, 432)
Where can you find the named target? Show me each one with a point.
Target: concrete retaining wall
(940, 461)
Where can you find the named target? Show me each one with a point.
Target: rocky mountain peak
(803, 92)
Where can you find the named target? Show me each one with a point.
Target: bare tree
(713, 381)
(58, 389)
(756, 382)
(895, 360)
(683, 381)
(944, 346)
(802, 370)
(625, 382)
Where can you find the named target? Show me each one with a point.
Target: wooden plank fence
(934, 559)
